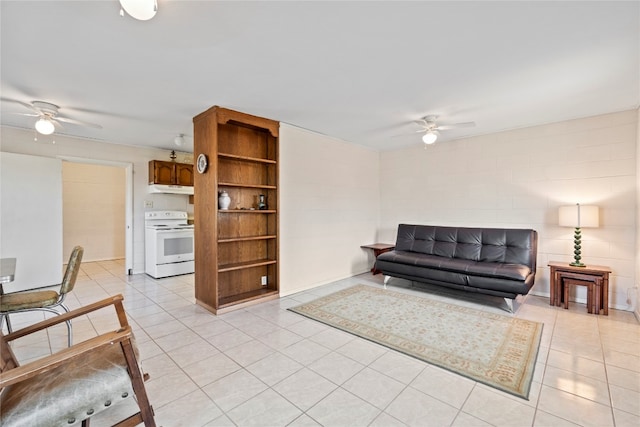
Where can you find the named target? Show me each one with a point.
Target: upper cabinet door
(161, 172)
(184, 174)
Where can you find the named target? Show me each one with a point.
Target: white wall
(637, 282)
(518, 179)
(93, 210)
(21, 141)
(329, 203)
(31, 219)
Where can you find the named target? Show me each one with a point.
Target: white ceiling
(358, 71)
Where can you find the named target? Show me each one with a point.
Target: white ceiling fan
(48, 117)
(431, 128)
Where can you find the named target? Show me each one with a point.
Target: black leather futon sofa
(493, 261)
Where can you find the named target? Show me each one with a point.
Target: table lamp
(578, 216)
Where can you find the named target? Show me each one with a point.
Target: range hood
(171, 189)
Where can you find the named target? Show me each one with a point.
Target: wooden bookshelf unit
(236, 249)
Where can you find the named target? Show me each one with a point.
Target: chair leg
(69, 333)
(9, 327)
(69, 327)
(137, 381)
(68, 322)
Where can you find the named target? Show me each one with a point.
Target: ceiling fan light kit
(142, 10)
(45, 126)
(429, 137)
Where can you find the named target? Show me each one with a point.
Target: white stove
(169, 244)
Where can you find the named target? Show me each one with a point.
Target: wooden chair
(43, 300)
(76, 382)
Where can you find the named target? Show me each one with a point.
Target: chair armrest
(115, 300)
(50, 362)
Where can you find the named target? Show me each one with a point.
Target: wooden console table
(378, 248)
(594, 277)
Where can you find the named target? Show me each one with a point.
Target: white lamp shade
(142, 10)
(578, 216)
(45, 126)
(429, 137)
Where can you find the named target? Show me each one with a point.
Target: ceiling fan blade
(77, 122)
(407, 134)
(456, 125)
(25, 114)
(29, 106)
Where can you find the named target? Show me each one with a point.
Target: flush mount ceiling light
(142, 10)
(179, 140)
(45, 126)
(429, 137)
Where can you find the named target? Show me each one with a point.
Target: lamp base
(577, 245)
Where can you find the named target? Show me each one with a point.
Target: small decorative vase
(262, 203)
(224, 200)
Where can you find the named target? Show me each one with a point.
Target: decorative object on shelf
(142, 10)
(578, 216)
(202, 163)
(173, 156)
(262, 203)
(224, 200)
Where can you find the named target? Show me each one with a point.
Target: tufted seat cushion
(488, 269)
(26, 300)
(68, 393)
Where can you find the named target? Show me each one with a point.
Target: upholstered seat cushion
(27, 300)
(488, 269)
(69, 393)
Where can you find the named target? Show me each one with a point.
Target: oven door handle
(174, 233)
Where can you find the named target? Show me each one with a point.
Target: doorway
(97, 209)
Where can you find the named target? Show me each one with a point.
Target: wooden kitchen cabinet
(236, 249)
(170, 173)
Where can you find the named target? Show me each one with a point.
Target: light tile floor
(266, 366)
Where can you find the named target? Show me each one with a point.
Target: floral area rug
(493, 349)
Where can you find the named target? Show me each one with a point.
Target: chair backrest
(71, 273)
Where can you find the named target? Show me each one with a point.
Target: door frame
(128, 167)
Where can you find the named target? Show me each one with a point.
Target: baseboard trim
(284, 293)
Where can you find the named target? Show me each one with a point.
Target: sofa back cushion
(501, 245)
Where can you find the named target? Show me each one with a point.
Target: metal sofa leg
(386, 280)
(509, 302)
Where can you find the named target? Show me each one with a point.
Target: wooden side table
(378, 248)
(594, 277)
